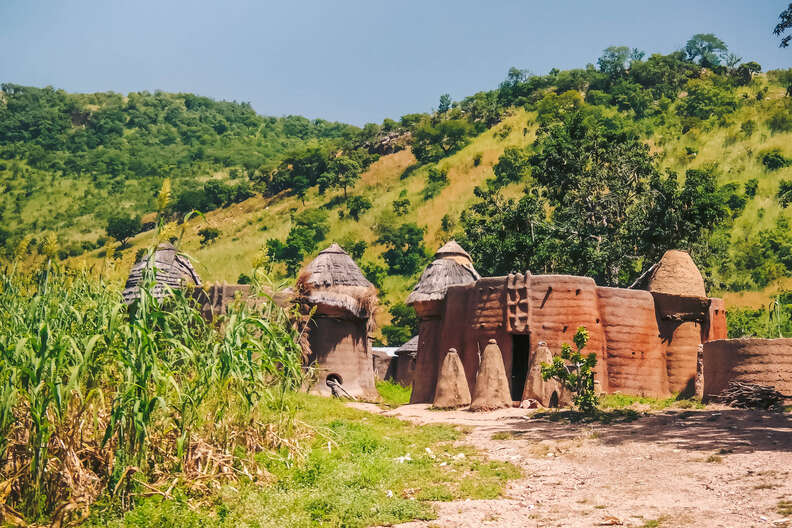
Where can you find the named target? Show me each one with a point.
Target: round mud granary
(336, 337)
(754, 361)
(171, 269)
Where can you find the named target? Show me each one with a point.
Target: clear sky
(356, 61)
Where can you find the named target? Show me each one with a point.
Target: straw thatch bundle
(173, 271)
(335, 285)
(452, 266)
(677, 274)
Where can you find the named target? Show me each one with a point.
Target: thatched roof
(677, 274)
(172, 271)
(452, 267)
(410, 348)
(332, 281)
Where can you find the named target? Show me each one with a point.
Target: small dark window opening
(554, 400)
(334, 377)
(521, 349)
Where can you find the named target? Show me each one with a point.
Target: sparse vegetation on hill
(703, 141)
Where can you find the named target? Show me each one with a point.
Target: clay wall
(715, 328)
(405, 369)
(427, 363)
(635, 354)
(341, 347)
(559, 305)
(758, 361)
(681, 339)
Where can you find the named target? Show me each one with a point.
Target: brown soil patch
(716, 467)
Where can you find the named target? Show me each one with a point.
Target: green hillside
(595, 170)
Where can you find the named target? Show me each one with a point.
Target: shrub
(773, 159)
(208, 235)
(748, 127)
(401, 205)
(436, 179)
(405, 251)
(574, 371)
(374, 273)
(784, 194)
(780, 121)
(751, 187)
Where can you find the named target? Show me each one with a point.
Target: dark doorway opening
(521, 348)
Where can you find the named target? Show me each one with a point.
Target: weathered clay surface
(538, 389)
(677, 274)
(681, 341)
(340, 347)
(492, 386)
(759, 361)
(426, 362)
(716, 327)
(635, 355)
(452, 386)
(559, 305)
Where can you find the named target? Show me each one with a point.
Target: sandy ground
(716, 467)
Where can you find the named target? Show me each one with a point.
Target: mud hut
(172, 271)
(336, 336)
(452, 266)
(405, 362)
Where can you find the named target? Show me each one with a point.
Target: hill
(714, 178)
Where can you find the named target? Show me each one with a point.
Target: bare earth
(717, 467)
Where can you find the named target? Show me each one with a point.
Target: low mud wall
(759, 361)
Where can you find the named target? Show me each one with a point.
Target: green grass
(623, 401)
(350, 476)
(393, 394)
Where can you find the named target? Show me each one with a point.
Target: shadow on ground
(731, 430)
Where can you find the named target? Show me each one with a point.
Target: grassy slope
(245, 227)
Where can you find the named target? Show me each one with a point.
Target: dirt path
(717, 467)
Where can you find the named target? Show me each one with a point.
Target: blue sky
(348, 60)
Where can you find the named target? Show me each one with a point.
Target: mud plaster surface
(626, 474)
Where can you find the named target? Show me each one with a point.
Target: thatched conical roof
(333, 282)
(410, 348)
(172, 271)
(677, 274)
(452, 266)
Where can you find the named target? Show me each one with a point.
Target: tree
(708, 49)
(744, 74)
(310, 227)
(614, 60)
(406, 251)
(404, 324)
(122, 228)
(704, 99)
(598, 207)
(513, 166)
(341, 172)
(358, 205)
(574, 371)
(445, 104)
(432, 142)
(784, 24)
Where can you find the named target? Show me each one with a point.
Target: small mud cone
(537, 388)
(452, 387)
(492, 386)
